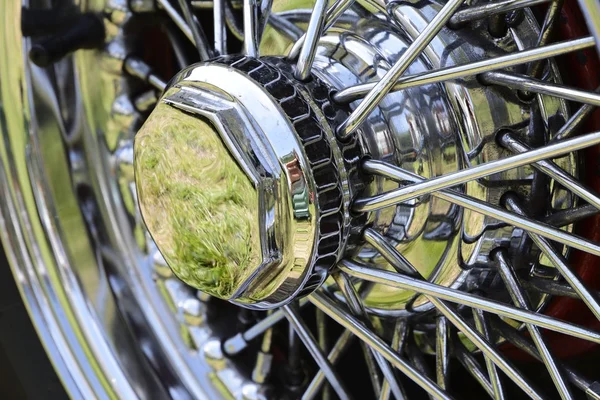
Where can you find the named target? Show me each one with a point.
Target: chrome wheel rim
(170, 345)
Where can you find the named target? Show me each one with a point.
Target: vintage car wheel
(334, 199)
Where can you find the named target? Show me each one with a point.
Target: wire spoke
(524, 344)
(555, 288)
(387, 82)
(479, 206)
(442, 352)
(321, 321)
(198, 36)
(349, 322)
(335, 354)
(558, 261)
(591, 12)
(428, 186)
(575, 122)
(552, 170)
(528, 84)
(453, 73)
(546, 32)
(518, 296)
(313, 347)
(251, 23)
(358, 310)
(481, 11)
(240, 341)
(482, 326)
(398, 343)
(220, 27)
(469, 362)
(333, 13)
(456, 296)
(309, 48)
(493, 357)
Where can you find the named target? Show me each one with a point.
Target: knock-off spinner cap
(232, 194)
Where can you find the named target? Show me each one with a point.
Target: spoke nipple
(194, 311)
(214, 354)
(87, 33)
(235, 344)
(146, 101)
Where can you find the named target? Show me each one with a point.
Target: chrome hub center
(248, 192)
(241, 183)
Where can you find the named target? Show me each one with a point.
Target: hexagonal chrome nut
(226, 190)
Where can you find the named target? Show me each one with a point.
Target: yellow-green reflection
(199, 206)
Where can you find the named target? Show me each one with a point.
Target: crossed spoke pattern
(462, 316)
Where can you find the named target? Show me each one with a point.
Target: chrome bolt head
(226, 190)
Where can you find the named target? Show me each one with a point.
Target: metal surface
(233, 199)
(480, 11)
(385, 84)
(312, 36)
(261, 252)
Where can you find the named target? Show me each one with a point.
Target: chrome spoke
(571, 215)
(493, 357)
(512, 285)
(398, 343)
(591, 13)
(558, 261)
(552, 170)
(197, 34)
(482, 326)
(442, 352)
(220, 27)
(452, 73)
(251, 41)
(548, 27)
(467, 299)
(428, 186)
(485, 10)
(321, 321)
(184, 27)
(524, 344)
(240, 341)
(382, 88)
(333, 13)
(139, 69)
(575, 122)
(528, 84)
(312, 346)
(479, 206)
(338, 349)
(469, 362)
(349, 322)
(358, 310)
(309, 48)
(552, 287)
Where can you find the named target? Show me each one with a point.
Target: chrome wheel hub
(243, 142)
(237, 142)
(379, 187)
